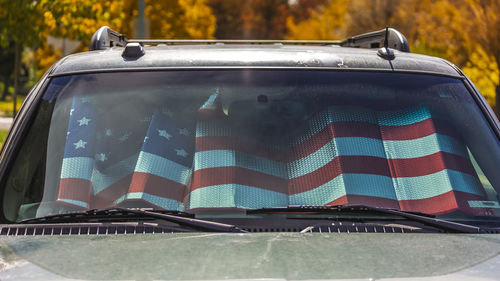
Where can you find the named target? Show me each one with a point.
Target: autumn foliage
(465, 32)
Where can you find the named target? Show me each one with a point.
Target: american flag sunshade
(405, 158)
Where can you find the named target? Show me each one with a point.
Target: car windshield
(231, 140)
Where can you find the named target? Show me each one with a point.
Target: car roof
(252, 56)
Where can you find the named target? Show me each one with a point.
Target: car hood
(281, 256)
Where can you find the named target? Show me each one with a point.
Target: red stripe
(444, 203)
(158, 186)
(440, 204)
(426, 165)
(237, 175)
(210, 115)
(339, 165)
(416, 130)
(339, 201)
(75, 189)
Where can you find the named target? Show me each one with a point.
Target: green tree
(27, 23)
(75, 20)
(21, 23)
(79, 19)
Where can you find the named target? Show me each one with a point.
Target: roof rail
(395, 40)
(105, 38)
(231, 41)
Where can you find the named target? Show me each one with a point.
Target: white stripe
(427, 186)
(162, 167)
(74, 202)
(404, 149)
(235, 196)
(231, 158)
(77, 168)
(165, 203)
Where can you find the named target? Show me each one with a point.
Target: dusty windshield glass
(243, 139)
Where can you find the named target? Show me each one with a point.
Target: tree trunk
(497, 101)
(17, 66)
(5, 87)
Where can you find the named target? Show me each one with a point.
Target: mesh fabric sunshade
(403, 158)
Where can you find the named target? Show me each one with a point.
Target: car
(245, 159)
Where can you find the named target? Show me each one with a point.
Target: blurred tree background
(36, 33)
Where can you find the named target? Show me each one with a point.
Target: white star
(167, 112)
(181, 152)
(83, 121)
(108, 133)
(184, 131)
(164, 134)
(80, 144)
(124, 137)
(85, 99)
(71, 111)
(101, 157)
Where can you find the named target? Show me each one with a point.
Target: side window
(24, 187)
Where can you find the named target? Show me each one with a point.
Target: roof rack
(387, 37)
(105, 38)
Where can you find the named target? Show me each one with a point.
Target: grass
(3, 135)
(6, 107)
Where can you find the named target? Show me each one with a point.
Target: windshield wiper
(423, 218)
(180, 218)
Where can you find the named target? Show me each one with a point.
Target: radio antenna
(386, 41)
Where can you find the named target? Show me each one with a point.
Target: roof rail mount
(105, 38)
(377, 39)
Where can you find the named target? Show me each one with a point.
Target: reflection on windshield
(244, 141)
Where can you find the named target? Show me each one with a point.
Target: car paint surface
(245, 56)
(281, 256)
